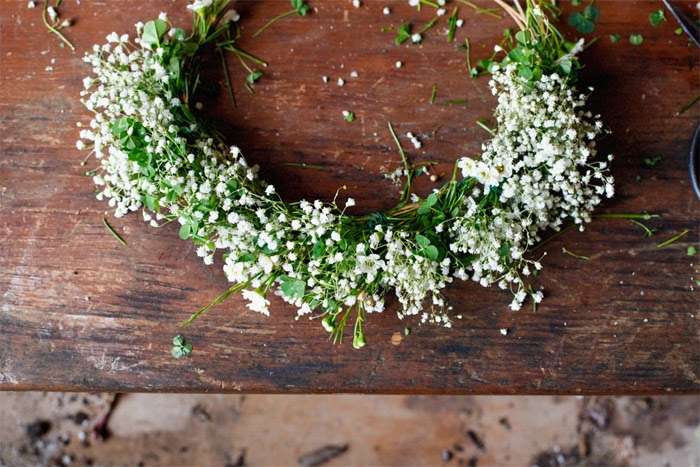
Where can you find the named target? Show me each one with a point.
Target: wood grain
(78, 311)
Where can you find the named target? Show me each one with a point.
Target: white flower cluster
(540, 169)
(536, 173)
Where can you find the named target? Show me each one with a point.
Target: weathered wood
(81, 312)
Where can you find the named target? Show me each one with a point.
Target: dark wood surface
(80, 312)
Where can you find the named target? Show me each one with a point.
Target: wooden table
(78, 311)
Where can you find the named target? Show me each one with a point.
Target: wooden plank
(78, 311)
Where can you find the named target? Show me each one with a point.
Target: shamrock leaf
(584, 21)
(153, 31)
(426, 249)
(181, 348)
(657, 17)
(403, 33)
(427, 204)
(301, 7)
(636, 39)
(292, 288)
(254, 76)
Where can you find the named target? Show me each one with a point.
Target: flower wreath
(538, 171)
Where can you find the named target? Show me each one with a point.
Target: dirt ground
(57, 429)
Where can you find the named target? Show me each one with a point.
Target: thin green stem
(304, 165)
(114, 233)
(574, 255)
(687, 106)
(647, 231)
(636, 216)
(273, 21)
(227, 77)
(485, 128)
(428, 25)
(409, 170)
(52, 29)
(243, 54)
(455, 102)
(219, 299)
(673, 239)
(484, 11)
(429, 3)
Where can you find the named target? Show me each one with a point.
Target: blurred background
(60, 429)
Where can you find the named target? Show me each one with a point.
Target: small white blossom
(53, 14)
(231, 16)
(256, 302)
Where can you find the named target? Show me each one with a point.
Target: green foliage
(452, 25)
(585, 21)
(614, 38)
(657, 17)
(429, 202)
(652, 162)
(185, 231)
(300, 7)
(403, 33)
(292, 288)
(153, 32)
(636, 39)
(426, 248)
(181, 348)
(254, 76)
